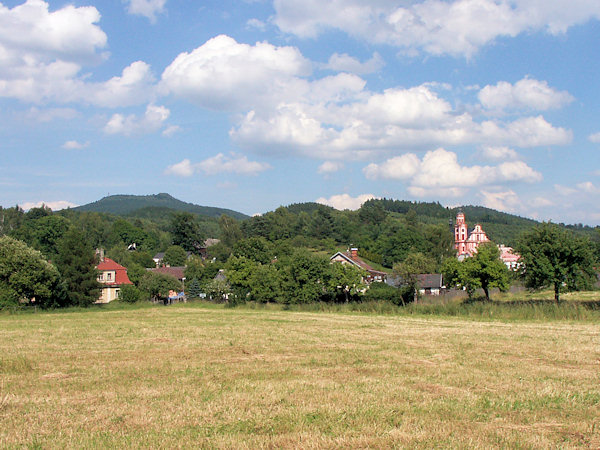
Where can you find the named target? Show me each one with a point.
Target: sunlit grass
(196, 376)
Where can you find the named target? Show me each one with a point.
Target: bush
(129, 294)
(383, 292)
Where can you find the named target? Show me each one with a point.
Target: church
(466, 241)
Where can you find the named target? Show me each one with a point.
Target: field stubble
(189, 376)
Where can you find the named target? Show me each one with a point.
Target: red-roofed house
(351, 257)
(112, 276)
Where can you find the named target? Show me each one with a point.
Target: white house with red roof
(112, 276)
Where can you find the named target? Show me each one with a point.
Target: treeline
(405, 237)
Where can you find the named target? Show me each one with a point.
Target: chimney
(354, 253)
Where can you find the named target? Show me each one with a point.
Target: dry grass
(186, 376)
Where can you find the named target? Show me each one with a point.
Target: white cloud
(439, 173)
(234, 164)
(219, 163)
(499, 153)
(344, 201)
(146, 8)
(225, 75)
(256, 24)
(75, 145)
(524, 94)
(504, 201)
(54, 206)
(152, 121)
(183, 169)
(346, 63)
(134, 86)
(459, 27)
(588, 186)
(171, 130)
(595, 138)
(564, 190)
(329, 167)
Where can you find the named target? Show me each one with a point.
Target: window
(109, 276)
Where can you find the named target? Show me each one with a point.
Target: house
(427, 283)
(112, 276)
(351, 257)
(509, 257)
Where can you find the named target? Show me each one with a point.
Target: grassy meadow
(193, 376)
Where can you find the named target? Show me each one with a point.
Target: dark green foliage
(26, 275)
(10, 219)
(175, 256)
(255, 248)
(186, 232)
(157, 285)
(42, 231)
(230, 231)
(484, 270)
(129, 294)
(384, 292)
(551, 256)
(76, 263)
(193, 289)
(126, 204)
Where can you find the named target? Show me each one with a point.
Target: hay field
(187, 376)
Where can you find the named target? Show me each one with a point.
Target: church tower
(460, 233)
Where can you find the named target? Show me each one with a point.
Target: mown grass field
(193, 376)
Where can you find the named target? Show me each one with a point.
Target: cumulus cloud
(42, 54)
(152, 121)
(459, 27)
(219, 163)
(231, 164)
(345, 201)
(54, 206)
(499, 153)
(524, 94)
(75, 145)
(146, 8)
(595, 138)
(504, 201)
(346, 63)
(439, 173)
(225, 75)
(184, 168)
(329, 167)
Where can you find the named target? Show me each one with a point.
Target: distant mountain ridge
(122, 205)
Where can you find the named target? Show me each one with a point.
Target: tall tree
(175, 256)
(76, 263)
(186, 232)
(554, 257)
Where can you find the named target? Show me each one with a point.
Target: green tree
(175, 256)
(485, 270)
(157, 285)
(230, 230)
(194, 289)
(129, 294)
(255, 248)
(26, 275)
(346, 281)
(43, 232)
(265, 284)
(554, 257)
(303, 277)
(408, 271)
(186, 232)
(76, 262)
(489, 269)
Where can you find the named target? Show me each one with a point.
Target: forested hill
(501, 227)
(131, 204)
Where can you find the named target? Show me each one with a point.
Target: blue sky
(253, 104)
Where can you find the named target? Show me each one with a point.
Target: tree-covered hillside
(130, 204)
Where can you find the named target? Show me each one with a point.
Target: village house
(351, 257)
(112, 276)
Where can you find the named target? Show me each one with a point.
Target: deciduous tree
(554, 257)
